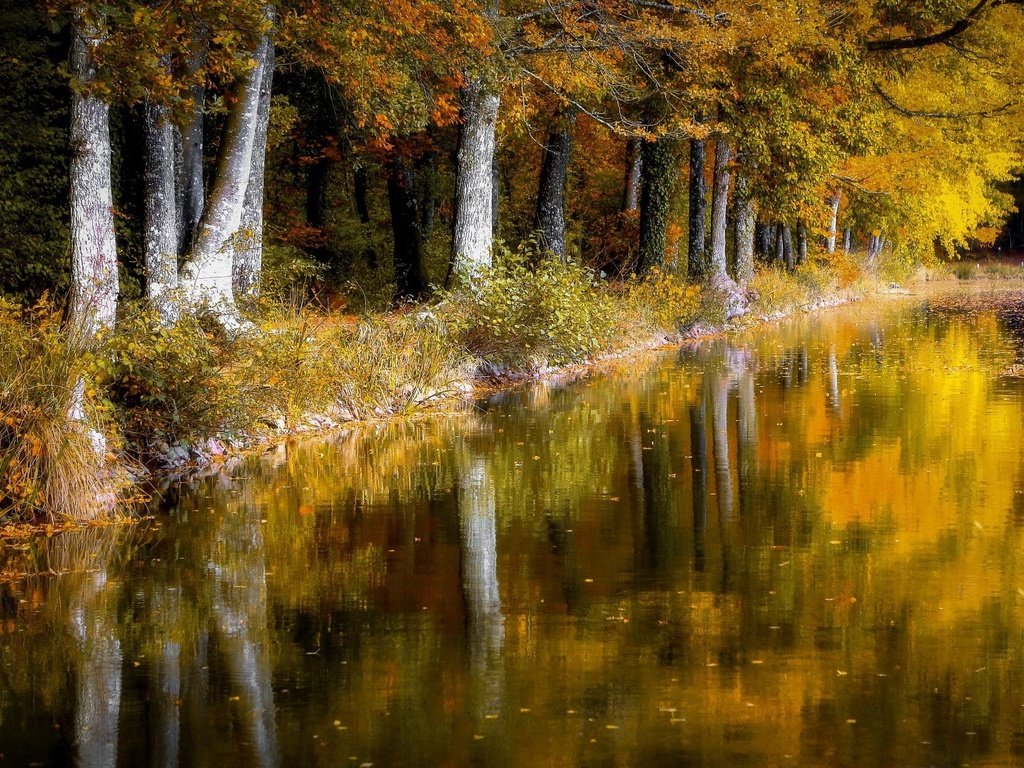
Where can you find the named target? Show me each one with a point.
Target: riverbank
(181, 398)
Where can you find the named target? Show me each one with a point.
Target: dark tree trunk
(316, 192)
(360, 186)
(699, 464)
(656, 192)
(787, 247)
(848, 240)
(410, 275)
(634, 163)
(763, 238)
(801, 240)
(495, 194)
(696, 252)
(191, 191)
(549, 218)
(426, 191)
(780, 243)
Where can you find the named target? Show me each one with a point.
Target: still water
(799, 546)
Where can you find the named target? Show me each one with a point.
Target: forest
(223, 219)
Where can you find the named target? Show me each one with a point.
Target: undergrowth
(151, 387)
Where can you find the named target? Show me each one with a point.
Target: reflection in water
(798, 547)
(485, 628)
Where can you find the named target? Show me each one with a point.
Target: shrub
(49, 464)
(181, 382)
(529, 310)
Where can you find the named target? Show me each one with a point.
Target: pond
(799, 545)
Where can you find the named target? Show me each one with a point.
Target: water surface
(803, 545)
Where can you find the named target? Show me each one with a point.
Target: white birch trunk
(833, 224)
(473, 228)
(248, 262)
(94, 284)
(207, 276)
(160, 227)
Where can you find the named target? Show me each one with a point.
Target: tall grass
(49, 465)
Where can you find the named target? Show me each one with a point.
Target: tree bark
(657, 187)
(833, 225)
(763, 238)
(410, 274)
(360, 185)
(634, 164)
(719, 210)
(191, 192)
(426, 192)
(160, 225)
(696, 245)
(787, 247)
(847, 240)
(801, 240)
(94, 283)
(248, 261)
(207, 277)
(746, 225)
(473, 225)
(549, 219)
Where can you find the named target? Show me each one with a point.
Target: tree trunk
(720, 441)
(787, 247)
(746, 225)
(191, 192)
(847, 240)
(248, 261)
(780, 243)
(160, 225)
(317, 175)
(208, 276)
(426, 192)
(719, 211)
(94, 284)
(360, 185)
(495, 193)
(634, 163)
(763, 239)
(699, 481)
(657, 187)
(473, 225)
(410, 274)
(549, 219)
(697, 257)
(833, 224)
(801, 240)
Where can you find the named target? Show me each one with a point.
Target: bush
(529, 310)
(183, 382)
(49, 465)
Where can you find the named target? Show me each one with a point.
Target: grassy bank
(167, 396)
